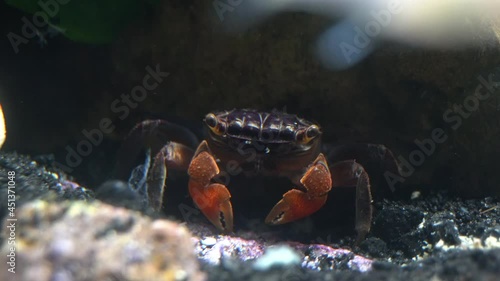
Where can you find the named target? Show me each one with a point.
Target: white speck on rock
(277, 256)
(492, 242)
(208, 241)
(470, 243)
(422, 224)
(415, 195)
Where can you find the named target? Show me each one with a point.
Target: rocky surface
(432, 237)
(464, 265)
(422, 236)
(36, 178)
(95, 241)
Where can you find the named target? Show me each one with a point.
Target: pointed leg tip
(360, 238)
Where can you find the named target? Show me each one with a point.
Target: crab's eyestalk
(211, 120)
(214, 124)
(3, 131)
(308, 135)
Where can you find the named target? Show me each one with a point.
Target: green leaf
(97, 21)
(91, 21)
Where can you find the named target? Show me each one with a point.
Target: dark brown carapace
(274, 143)
(264, 127)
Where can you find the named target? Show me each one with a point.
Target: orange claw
(297, 204)
(214, 202)
(203, 166)
(213, 199)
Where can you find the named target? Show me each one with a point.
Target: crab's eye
(211, 120)
(213, 123)
(312, 132)
(309, 134)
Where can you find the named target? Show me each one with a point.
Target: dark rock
(393, 221)
(374, 247)
(36, 181)
(441, 226)
(383, 265)
(119, 193)
(397, 224)
(455, 265)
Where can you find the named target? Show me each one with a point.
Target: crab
(253, 142)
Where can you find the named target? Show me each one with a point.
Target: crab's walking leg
(213, 199)
(171, 156)
(153, 134)
(377, 159)
(351, 173)
(296, 203)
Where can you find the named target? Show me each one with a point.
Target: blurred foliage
(88, 21)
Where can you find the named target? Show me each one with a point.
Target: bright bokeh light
(358, 25)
